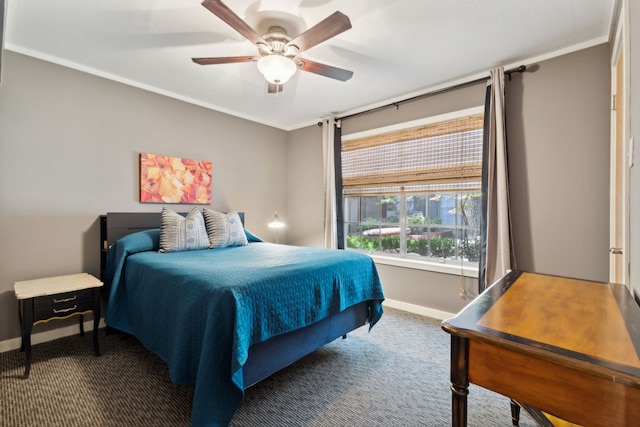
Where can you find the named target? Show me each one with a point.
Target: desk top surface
(592, 322)
(55, 285)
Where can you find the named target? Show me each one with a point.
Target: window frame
(427, 264)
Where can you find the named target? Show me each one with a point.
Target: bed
(226, 318)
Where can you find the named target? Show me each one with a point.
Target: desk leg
(459, 380)
(26, 326)
(96, 320)
(515, 413)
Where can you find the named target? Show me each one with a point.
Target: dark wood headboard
(115, 225)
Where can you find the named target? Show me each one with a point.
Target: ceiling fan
(278, 59)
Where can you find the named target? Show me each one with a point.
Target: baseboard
(53, 334)
(40, 337)
(418, 309)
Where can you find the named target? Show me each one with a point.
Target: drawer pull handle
(65, 299)
(64, 310)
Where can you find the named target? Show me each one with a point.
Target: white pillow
(224, 229)
(182, 233)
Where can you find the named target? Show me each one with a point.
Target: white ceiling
(396, 48)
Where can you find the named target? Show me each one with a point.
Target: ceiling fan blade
(222, 60)
(324, 70)
(273, 88)
(324, 30)
(234, 21)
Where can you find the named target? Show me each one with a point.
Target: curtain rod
(520, 69)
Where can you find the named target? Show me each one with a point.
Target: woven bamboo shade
(440, 157)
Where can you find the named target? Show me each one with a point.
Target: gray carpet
(395, 375)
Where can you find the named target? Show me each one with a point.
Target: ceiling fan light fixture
(277, 69)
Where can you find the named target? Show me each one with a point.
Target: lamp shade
(275, 222)
(277, 69)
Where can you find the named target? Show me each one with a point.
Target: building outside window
(413, 192)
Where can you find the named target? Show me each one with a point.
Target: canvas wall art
(166, 179)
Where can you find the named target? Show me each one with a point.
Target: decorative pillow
(224, 229)
(178, 233)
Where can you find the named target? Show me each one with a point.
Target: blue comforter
(200, 311)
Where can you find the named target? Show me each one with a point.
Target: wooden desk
(568, 347)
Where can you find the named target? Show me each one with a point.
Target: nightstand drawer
(63, 304)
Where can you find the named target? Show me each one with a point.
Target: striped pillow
(224, 229)
(178, 233)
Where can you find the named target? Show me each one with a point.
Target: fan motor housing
(277, 38)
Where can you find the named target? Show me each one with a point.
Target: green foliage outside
(471, 250)
(416, 219)
(355, 241)
(438, 247)
(442, 247)
(390, 243)
(418, 246)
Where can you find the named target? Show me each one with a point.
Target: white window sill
(437, 267)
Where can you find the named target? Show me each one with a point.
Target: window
(414, 192)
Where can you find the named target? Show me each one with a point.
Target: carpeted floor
(395, 375)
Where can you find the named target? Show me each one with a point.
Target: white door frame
(619, 242)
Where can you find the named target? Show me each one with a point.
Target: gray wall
(558, 131)
(305, 187)
(69, 145)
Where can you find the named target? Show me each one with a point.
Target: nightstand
(59, 297)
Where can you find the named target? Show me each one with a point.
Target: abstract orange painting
(165, 179)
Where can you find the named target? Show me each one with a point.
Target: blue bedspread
(200, 311)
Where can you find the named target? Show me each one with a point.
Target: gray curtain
(328, 164)
(496, 257)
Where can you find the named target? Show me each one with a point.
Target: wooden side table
(59, 297)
